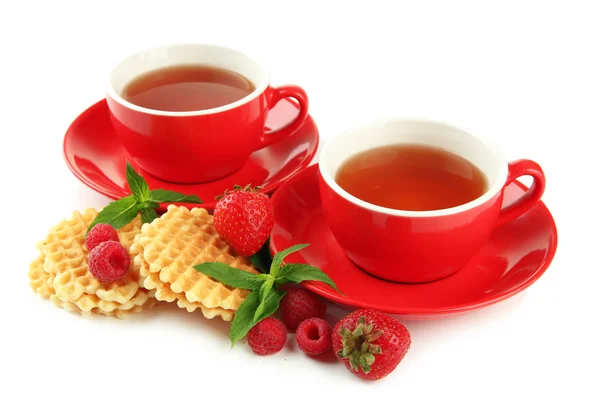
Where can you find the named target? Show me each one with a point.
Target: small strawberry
(244, 219)
(370, 343)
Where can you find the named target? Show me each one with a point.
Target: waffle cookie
(61, 272)
(42, 283)
(169, 247)
(164, 293)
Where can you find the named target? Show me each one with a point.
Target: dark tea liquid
(187, 88)
(411, 177)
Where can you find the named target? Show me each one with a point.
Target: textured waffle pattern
(165, 294)
(66, 258)
(61, 272)
(172, 244)
(42, 283)
(39, 280)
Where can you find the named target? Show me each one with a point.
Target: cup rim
(495, 187)
(114, 95)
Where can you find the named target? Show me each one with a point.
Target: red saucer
(516, 256)
(94, 154)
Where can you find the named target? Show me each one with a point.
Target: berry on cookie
(109, 262)
(99, 234)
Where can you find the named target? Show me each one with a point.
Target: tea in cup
(195, 113)
(413, 200)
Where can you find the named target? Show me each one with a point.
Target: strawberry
(244, 219)
(370, 343)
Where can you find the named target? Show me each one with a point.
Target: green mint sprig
(142, 200)
(265, 293)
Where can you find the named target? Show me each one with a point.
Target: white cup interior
(487, 157)
(186, 54)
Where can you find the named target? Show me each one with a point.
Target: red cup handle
(516, 169)
(279, 93)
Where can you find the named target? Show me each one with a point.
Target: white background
(524, 73)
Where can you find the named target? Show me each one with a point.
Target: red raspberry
(109, 262)
(314, 336)
(99, 234)
(267, 337)
(298, 305)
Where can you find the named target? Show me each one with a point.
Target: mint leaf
(118, 213)
(244, 317)
(149, 204)
(148, 215)
(278, 258)
(137, 184)
(297, 273)
(163, 195)
(266, 287)
(236, 278)
(262, 259)
(124, 210)
(263, 293)
(270, 304)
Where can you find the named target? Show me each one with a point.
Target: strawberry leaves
(265, 294)
(358, 346)
(142, 200)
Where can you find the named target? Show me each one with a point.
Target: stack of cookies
(162, 253)
(61, 272)
(168, 248)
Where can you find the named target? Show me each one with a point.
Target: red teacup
(205, 145)
(420, 246)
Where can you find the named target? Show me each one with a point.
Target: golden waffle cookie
(67, 256)
(165, 294)
(42, 283)
(39, 280)
(172, 244)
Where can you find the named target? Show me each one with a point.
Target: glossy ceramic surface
(203, 145)
(96, 156)
(420, 246)
(515, 256)
(421, 249)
